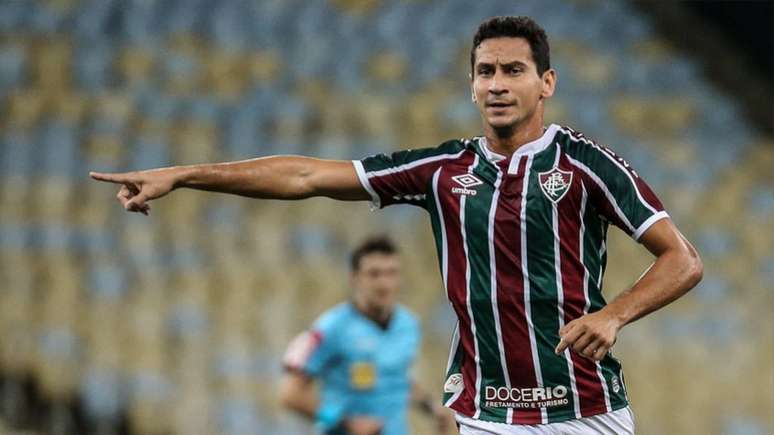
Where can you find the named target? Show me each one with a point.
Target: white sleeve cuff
(376, 203)
(648, 223)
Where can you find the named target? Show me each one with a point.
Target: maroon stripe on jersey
(456, 286)
(598, 198)
(510, 291)
(406, 179)
(647, 193)
(590, 392)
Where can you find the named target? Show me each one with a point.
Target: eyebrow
(515, 63)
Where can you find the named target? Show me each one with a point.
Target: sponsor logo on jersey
(453, 384)
(555, 183)
(538, 397)
(616, 384)
(466, 181)
(362, 375)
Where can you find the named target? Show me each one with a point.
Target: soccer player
(361, 352)
(520, 216)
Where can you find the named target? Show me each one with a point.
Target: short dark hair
(381, 244)
(515, 27)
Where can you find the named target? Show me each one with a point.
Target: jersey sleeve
(403, 177)
(616, 190)
(312, 350)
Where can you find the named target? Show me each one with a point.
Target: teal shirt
(360, 365)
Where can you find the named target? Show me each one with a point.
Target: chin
(500, 124)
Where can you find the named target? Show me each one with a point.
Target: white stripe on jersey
(584, 199)
(361, 175)
(606, 191)
(493, 287)
(560, 295)
(455, 342)
(648, 223)
(527, 308)
(477, 358)
(414, 164)
(444, 243)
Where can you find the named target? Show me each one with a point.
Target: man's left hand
(591, 336)
(444, 419)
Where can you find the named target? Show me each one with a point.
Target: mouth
(498, 105)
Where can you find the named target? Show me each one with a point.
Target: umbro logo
(466, 181)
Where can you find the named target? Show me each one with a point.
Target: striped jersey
(521, 246)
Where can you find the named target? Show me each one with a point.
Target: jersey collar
(382, 326)
(529, 148)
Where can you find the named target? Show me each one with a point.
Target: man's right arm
(297, 393)
(276, 177)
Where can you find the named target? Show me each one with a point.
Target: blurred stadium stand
(112, 323)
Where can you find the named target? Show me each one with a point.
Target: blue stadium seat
(149, 152)
(239, 417)
(13, 16)
(106, 280)
(18, 156)
(15, 236)
(13, 60)
(58, 344)
(59, 150)
(103, 393)
(188, 321)
(92, 66)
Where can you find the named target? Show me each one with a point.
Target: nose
(496, 85)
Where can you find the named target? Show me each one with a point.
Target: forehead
(378, 260)
(504, 50)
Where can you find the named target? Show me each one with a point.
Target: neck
(374, 312)
(509, 139)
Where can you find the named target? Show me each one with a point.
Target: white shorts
(620, 422)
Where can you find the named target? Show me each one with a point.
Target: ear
(352, 280)
(472, 91)
(549, 83)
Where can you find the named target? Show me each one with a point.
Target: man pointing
(520, 217)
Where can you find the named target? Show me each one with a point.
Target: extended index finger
(119, 178)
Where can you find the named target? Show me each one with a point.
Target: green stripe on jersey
(543, 288)
(594, 238)
(402, 157)
(594, 260)
(437, 223)
(616, 179)
(455, 365)
(436, 220)
(476, 211)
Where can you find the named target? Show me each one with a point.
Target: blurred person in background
(360, 353)
(520, 215)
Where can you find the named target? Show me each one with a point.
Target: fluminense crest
(555, 183)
